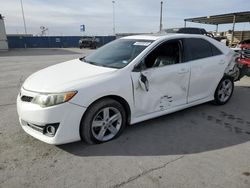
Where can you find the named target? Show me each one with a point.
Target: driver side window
(168, 53)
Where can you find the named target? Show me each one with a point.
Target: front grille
(26, 98)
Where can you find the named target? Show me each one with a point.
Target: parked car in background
(199, 31)
(189, 30)
(244, 42)
(127, 81)
(88, 42)
(244, 57)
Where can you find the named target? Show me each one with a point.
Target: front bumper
(67, 116)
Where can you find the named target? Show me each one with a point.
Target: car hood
(60, 77)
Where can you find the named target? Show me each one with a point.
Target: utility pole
(25, 29)
(113, 2)
(232, 37)
(161, 17)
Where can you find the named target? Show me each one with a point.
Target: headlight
(46, 100)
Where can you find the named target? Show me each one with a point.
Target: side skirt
(168, 111)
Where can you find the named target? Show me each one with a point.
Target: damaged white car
(129, 80)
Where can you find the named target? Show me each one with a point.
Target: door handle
(222, 62)
(146, 73)
(183, 70)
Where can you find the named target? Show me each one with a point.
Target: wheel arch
(226, 76)
(117, 98)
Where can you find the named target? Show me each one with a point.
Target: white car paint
(168, 88)
(67, 77)
(69, 116)
(184, 84)
(202, 74)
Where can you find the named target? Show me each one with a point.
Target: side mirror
(82, 58)
(143, 80)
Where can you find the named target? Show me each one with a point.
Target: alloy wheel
(106, 124)
(225, 90)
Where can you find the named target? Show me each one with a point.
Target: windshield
(118, 53)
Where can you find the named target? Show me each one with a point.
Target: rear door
(207, 67)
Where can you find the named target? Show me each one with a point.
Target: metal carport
(237, 17)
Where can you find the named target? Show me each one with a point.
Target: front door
(163, 82)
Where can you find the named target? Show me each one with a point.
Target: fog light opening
(51, 130)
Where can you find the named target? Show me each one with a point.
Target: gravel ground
(203, 146)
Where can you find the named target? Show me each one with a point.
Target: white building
(3, 37)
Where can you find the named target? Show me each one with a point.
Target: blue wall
(51, 41)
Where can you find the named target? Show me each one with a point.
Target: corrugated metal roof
(222, 18)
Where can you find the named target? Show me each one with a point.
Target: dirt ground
(203, 146)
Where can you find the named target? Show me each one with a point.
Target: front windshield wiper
(82, 58)
(90, 62)
(94, 63)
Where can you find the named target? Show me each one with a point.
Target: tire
(103, 121)
(224, 91)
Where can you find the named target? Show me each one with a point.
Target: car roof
(161, 36)
(186, 28)
(142, 37)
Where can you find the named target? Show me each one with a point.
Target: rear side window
(215, 50)
(196, 48)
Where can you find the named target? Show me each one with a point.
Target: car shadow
(198, 129)
(38, 52)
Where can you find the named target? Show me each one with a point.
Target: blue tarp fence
(52, 41)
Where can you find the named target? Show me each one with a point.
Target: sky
(64, 17)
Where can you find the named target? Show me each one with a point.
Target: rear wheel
(103, 121)
(224, 91)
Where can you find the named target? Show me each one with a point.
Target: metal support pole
(161, 17)
(232, 38)
(113, 2)
(241, 36)
(25, 29)
(216, 28)
(185, 23)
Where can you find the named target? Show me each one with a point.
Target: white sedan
(129, 80)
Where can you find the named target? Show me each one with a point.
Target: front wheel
(224, 91)
(103, 121)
